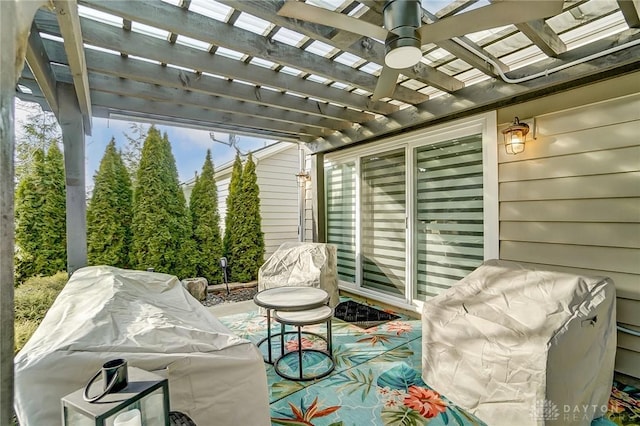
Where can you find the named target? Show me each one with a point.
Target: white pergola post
(7, 87)
(71, 122)
(15, 21)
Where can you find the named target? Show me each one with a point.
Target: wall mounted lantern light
(515, 136)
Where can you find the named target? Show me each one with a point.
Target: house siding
(276, 167)
(571, 202)
(279, 198)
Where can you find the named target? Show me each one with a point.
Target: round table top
(292, 298)
(307, 317)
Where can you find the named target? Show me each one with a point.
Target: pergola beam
(125, 87)
(365, 47)
(489, 95)
(174, 19)
(169, 110)
(108, 37)
(541, 34)
(146, 72)
(69, 22)
(40, 66)
(471, 58)
(631, 11)
(116, 114)
(454, 7)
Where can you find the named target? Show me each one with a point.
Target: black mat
(362, 315)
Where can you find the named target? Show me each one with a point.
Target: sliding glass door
(413, 215)
(449, 239)
(383, 221)
(341, 217)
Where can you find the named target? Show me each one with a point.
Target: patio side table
(300, 319)
(287, 299)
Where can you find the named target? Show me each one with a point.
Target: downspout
(301, 177)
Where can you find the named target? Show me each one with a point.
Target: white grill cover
(509, 344)
(153, 322)
(302, 264)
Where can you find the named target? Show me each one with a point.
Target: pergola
(239, 66)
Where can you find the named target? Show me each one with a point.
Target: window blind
(383, 221)
(449, 213)
(340, 188)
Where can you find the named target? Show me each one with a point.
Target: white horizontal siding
(599, 162)
(628, 362)
(571, 202)
(279, 197)
(276, 169)
(626, 340)
(223, 192)
(584, 210)
(603, 234)
(606, 186)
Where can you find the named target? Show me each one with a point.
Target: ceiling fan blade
(386, 83)
(495, 15)
(318, 15)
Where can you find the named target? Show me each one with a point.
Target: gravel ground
(236, 295)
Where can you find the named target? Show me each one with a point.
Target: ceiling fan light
(403, 57)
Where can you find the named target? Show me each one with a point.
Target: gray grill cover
(521, 346)
(153, 322)
(302, 264)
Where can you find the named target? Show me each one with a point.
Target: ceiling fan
(404, 33)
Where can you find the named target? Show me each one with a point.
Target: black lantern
(143, 402)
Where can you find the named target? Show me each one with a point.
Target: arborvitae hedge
(205, 220)
(250, 249)
(161, 226)
(187, 255)
(54, 238)
(233, 221)
(29, 213)
(40, 211)
(109, 213)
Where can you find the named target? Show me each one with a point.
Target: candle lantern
(144, 401)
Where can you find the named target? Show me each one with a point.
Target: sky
(189, 146)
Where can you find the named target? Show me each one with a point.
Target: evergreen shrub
(32, 300)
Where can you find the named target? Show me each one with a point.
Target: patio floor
(376, 381)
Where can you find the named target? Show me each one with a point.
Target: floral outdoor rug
(376, 381)
(364, 316)
(624, 407)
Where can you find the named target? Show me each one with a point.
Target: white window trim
(486, 125)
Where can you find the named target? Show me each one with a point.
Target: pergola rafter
(237, 66)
